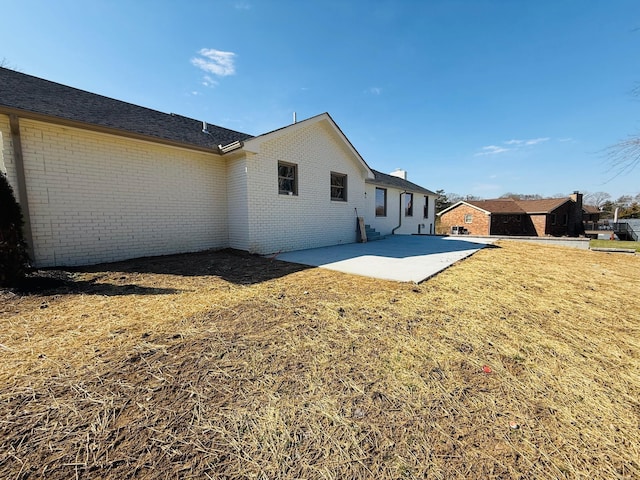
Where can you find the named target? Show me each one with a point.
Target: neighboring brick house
(100, 180)
(507, 216)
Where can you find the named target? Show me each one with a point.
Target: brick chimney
(576, 226)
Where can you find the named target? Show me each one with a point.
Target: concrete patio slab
(402, 258)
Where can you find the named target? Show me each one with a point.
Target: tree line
(628, 206)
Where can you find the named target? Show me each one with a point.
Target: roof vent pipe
(295, 118)
(204, 127)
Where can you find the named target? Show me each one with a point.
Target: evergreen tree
(442, 201)
(13, 249)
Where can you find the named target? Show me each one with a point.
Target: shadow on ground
(60, 282)
(231, 265)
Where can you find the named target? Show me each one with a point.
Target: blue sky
(476, 97)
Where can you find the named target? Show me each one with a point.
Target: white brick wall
(238, 206)
(309, 219)
(95, 197)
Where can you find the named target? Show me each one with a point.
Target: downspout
(393, 232)
(14, 124)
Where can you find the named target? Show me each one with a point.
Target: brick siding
(309, 219)
(480, 220)
(95, 197)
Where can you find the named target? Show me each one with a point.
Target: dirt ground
(522, 361)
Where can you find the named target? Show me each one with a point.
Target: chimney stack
(398, 172)
(577, 223)
(577, 197)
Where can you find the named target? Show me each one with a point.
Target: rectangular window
(553, 218)
(381, 202)
(287, 178)
(426, 207)
(565, 219)
(468, 218)
(338, 187)
(408, 204)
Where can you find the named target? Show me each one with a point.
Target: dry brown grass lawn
(223, 365)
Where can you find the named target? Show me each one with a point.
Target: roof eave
(40, 117)
(414, 189)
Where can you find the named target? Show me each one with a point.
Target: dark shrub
(13, 249)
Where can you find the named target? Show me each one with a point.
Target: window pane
(338, 187)
(286, 171)
(408, 205)
(286, 184)
(287, 179)
(381, 202)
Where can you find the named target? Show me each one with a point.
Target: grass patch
(222, 365)
(615, 244)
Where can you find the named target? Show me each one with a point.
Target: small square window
(338, 187)
(468, 218)
(381, 202)
(287, 178)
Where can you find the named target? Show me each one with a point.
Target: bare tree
(624, 156)
(596, 199)
(624, 201)
(4, 63)
(455, 198)
(522, 196)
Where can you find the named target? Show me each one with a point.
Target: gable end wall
(310, 219)
(480, 225)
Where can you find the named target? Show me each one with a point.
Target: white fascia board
(253, 145)
(462, 202)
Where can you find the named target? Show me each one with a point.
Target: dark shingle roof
(592, 209)
(25, 93)
(501, 205)
(512, 206)
(545, 205)
(385, 180)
